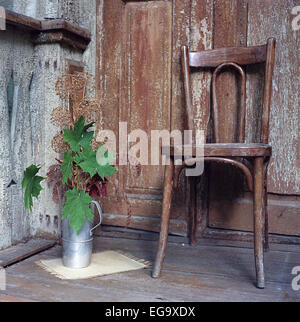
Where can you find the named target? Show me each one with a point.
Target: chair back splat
(236, 58)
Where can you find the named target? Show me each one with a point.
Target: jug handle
(100, 214)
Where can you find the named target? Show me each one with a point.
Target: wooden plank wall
(16, 67)
(202, 25)
(274, 18)
(230, 207)
(165, 27)
(225, 182)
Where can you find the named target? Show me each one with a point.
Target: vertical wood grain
(230, 30)
(201, 25)
(136, 53)
(227, 209)
(109, 40)
(284, 171)
(181, 36)
(147, 80)
(201, 39)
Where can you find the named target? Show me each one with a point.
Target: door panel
(136, 62)
(139, 82)
(146, 82)
(230, 207)
(284, 122)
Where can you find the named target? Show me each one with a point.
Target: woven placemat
(103, 263)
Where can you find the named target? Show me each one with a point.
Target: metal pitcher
(77, 248)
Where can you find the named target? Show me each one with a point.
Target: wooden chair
(252, 159)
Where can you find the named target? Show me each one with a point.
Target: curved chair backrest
(235, 57)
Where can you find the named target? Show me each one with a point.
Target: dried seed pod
(61, 117)
(58, 144)
(74, 91)
(87, 108)
(79, 81)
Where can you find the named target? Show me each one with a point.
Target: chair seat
(222, 150)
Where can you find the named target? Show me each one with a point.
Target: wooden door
(139, 82)
(250, 23)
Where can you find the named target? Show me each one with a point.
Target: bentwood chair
(251, 159)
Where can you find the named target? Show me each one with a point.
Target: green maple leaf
(86, 153)
(77, 207)
(79, 137)
(31, 184)
(106, 171)
(86, 138)
(66, 167)
(87, 161)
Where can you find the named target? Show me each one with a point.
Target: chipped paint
(284, 118)
(201, 39)
(27, 139)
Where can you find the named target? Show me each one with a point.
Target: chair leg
(258, 213)
(165, 219)
(266, 240)
(192, 211)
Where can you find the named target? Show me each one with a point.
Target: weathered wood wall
(139, 80)
(123, 45)
(16, 69)
(275, 18)
(31, 72)
(230, 207)
(130, 56)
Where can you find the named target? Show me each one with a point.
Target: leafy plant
(79, 171)
(32, 185)
(77, 207)
(83, 173)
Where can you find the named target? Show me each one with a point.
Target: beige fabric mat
(104, 263)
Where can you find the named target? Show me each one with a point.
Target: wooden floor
(211, 271)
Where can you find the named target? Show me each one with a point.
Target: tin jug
(77, 248)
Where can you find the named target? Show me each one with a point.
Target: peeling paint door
(251, 23)
(140, 83)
